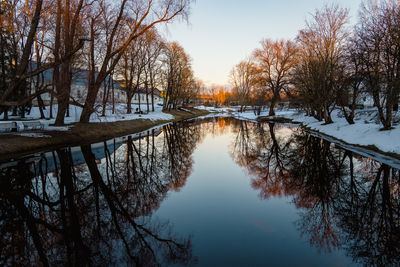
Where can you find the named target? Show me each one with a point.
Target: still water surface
(219, 192)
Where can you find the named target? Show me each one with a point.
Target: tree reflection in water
(345, 201)
(94, 206)
(97, 213)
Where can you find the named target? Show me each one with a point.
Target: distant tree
(275, 60)
(349, 89)
(154, 46)
(178, 75)
(318, 73)
(221, 96)
(131, 68)
(243, 78)
(192, 91)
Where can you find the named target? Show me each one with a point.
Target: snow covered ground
(119, 115)
(365, 132)
(219, 110)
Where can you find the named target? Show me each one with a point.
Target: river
(211, 192)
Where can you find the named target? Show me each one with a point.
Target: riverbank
(366, 133)
(28, 142)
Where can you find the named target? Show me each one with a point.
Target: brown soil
(12, 146)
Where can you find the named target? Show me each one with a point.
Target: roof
(79, 76)
(141, 90)
(148, 91)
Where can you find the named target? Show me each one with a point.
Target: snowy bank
(365, 132)
(119, 115)
(17, 144)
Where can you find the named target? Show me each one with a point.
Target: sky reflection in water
(221, 192)
(231, 224)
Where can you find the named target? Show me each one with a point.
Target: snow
(365, 132)
(119, 115)
(33, 135)
(218, 110)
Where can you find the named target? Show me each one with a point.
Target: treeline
(329, 64)
(106, 39)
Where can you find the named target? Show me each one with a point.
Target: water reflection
(93, 205)
(97, 213)
(345, 201)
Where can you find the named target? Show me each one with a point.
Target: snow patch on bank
(365, 132)
(218, 110)
(33, 135)
(361, 133)
(75, 112)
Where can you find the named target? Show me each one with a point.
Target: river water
(213, 192)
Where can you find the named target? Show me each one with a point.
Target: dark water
(217, 192)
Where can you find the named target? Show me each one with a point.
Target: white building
(79, 87)
(142, 95)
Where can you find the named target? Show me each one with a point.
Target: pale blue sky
(223, 32)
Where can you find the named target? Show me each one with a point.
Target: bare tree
(379, 37)
(243, 78)
(154, 46)
(275, 61)
(178, 75)
(322, 44)
(145, 15)
(131, 67)
(349, 90)
(16, 79)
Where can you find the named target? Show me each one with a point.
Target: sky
(221, 33)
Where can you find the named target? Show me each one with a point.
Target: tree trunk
(41, 107)
(67, 114)
(51, 103)
(327, 116)
(271, 108)
(139, 96)
(274, 101)
(113, 96)
(349, 116)
(128, 103)
(87, 110)
(61, 110)
(147, 102)
(105, 96)
(5, 111)
(152, 99)
(389, 115)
